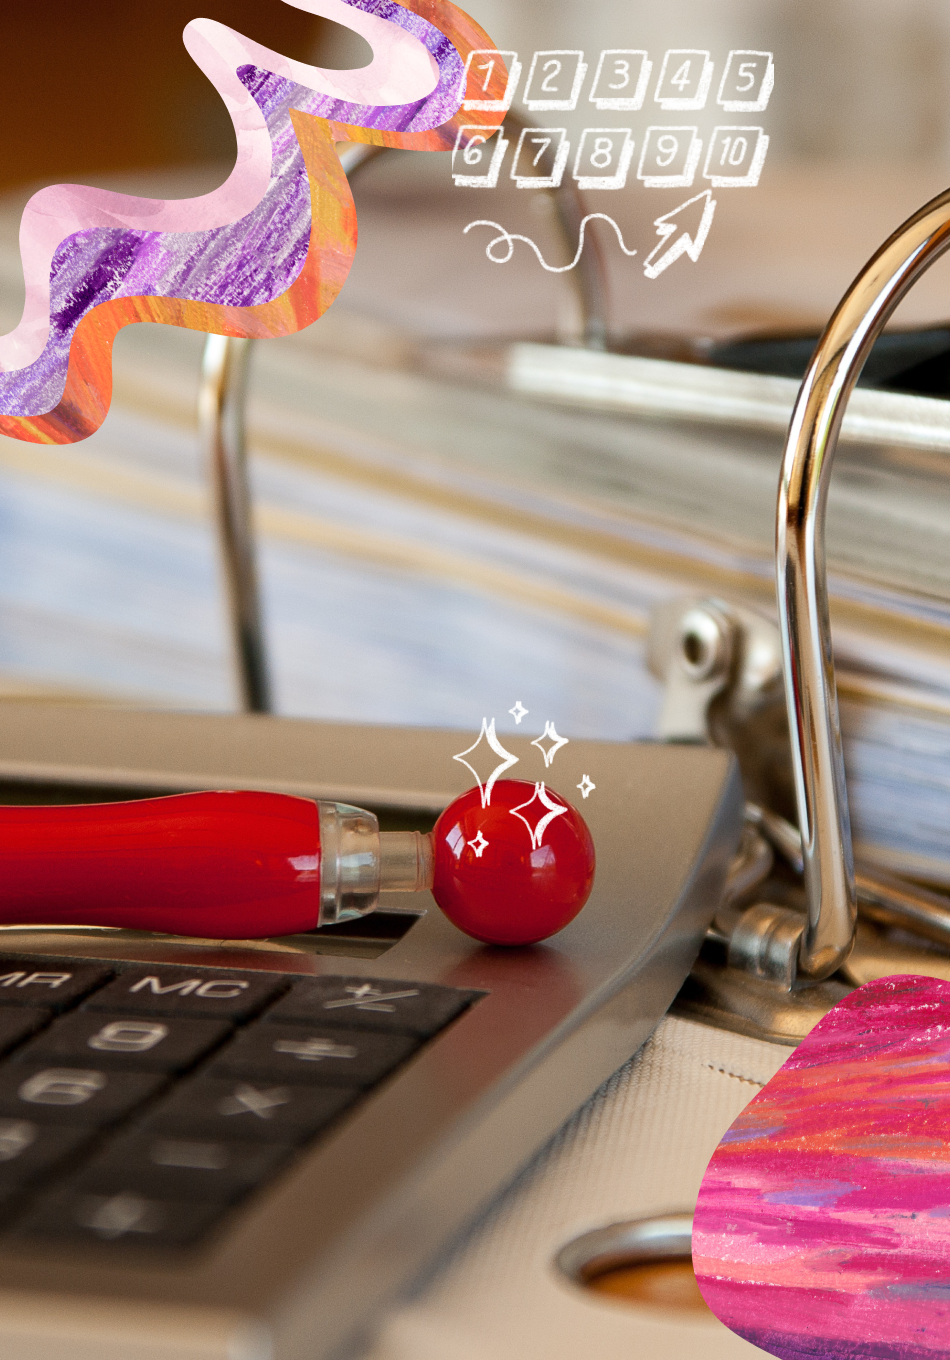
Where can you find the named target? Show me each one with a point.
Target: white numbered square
(747, 82)
(476, 160)
(540, 158)
(479, 69)
(669, 157)
(555, 80)
(685, 79)
(736, 156)
(603, 158)
(621, 79)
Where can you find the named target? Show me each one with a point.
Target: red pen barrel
(216, 865)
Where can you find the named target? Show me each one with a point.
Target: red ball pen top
(515, 871)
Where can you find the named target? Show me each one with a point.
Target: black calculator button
(122, 1216)
(363, 1003)
(145, 1043)
(234, 1108)
(47, 982)
(72, 1095)
(17, 1024)
(209, 994)
(170, 1166)
(28, 1149)
(299, 1053)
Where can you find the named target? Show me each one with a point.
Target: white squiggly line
(509, 238)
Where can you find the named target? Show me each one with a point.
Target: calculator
(249, 1149)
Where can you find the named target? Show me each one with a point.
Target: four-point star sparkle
(537, 827)
(586, 786)
(549, 734)
(479, 845)
(518, 712)
(506, 760)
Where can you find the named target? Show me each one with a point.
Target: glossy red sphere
(516, 871)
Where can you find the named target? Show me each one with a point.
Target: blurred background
(435, 545)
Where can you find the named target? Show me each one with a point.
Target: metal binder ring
(810, 690)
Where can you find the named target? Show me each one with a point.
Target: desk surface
(639, 1147)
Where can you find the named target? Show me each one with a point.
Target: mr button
(47, 982)
(205, 993)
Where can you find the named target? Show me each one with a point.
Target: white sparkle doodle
(537, 831)
(506, 760)
(479, 845)
(550, 733)
(508, 239)
(586, 786)
(518, 712)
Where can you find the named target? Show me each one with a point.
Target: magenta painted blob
(823, 1224)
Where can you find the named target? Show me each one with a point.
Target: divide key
(305, 1054)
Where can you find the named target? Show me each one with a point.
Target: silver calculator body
(334, 1219)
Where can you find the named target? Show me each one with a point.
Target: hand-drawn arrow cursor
(692, 234)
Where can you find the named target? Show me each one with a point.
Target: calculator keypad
(139, 1104)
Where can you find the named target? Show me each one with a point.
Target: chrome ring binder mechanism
(735, 679)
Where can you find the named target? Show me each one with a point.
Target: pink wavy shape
(401, 71)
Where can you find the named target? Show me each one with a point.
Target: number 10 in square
(736, 156)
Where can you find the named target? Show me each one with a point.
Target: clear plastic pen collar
(349, 862)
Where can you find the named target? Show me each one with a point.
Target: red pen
(245, 865)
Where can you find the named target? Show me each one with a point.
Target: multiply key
(236, 1108)
(297, 1053)
(371, 1003)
